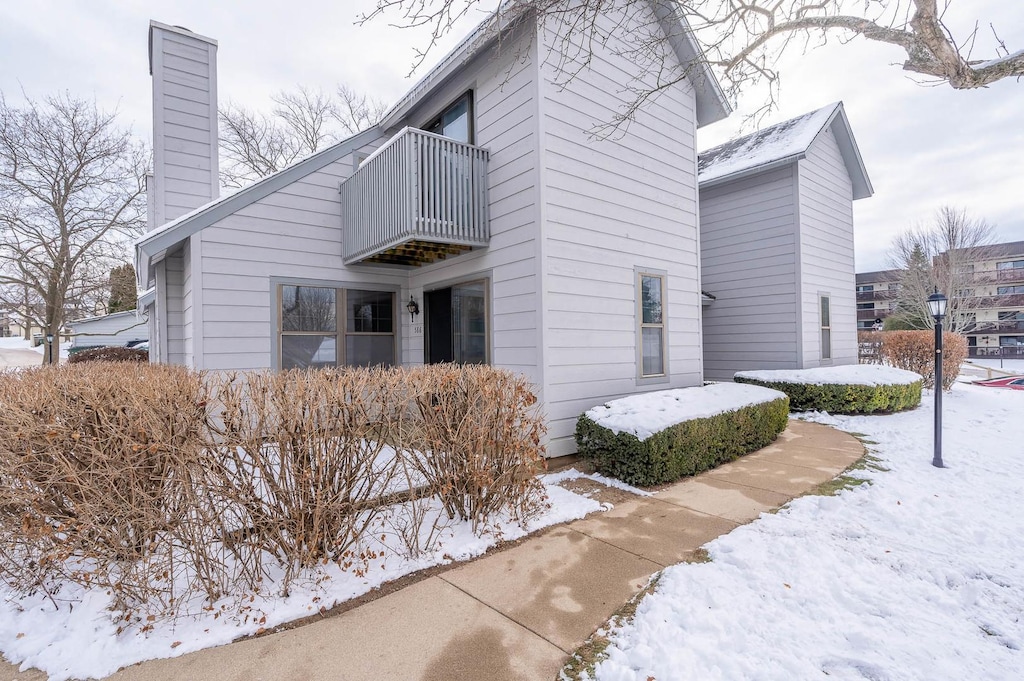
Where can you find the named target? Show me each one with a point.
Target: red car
(1011, 382)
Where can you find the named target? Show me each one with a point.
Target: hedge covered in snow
(662, 436)
(850, 389)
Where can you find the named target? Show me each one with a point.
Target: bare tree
(939, 256)
(743, 39)
(302, 122)
(71, 200)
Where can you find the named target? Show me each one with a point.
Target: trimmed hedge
(845, 398)
(686, 448)
(114, 353)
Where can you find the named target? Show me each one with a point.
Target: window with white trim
(311, 335)
(825, 305)
(651, 319)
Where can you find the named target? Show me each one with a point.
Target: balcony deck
(419, 198)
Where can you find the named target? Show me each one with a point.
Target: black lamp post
(49, 348)
(937, 307)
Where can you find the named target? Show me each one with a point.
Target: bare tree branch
(71, 200)
(742, 39)
(302, 122)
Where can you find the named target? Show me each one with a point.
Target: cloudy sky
(924, 146)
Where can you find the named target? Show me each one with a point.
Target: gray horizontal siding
(748, 262)
(611, 204)
(826, 249)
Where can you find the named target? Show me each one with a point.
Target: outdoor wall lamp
(413, 307)
(937, 307)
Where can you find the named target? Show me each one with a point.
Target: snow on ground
(83, 641)
(15, 342)
(848, 374)
(645, 414)
(919, 575)
(1013, 366)
(573, 474)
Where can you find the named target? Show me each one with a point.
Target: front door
(456, 321)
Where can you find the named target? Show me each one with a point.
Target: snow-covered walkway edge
(918, 575)
(80, 640)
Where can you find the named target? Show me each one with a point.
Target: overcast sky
(924, 146)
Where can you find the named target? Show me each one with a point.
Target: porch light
(413, 307)
(937, 307)
(49, 348)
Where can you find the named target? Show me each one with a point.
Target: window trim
(341, 321)
(638, 274)
(823, 327)
(470, 116)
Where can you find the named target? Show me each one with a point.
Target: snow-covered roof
(101, 317)
(784, 143)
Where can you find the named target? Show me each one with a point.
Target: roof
(155, 243)
(995, 251)
(879, 276)
(101, 317)
(781, 144)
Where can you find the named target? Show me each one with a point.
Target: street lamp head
(937, 305)
(49, 338)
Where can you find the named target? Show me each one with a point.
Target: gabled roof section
(152, 246)
(712, 104)
(781, 144)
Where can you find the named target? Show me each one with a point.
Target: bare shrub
(479, 441)
(110, 354)
(302, 461)
(915, 351)
(94, 476)
(159, 483)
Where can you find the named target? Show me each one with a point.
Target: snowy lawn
(73, 634)
(917, 575)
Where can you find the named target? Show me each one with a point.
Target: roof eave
(747, 172)
(850, 152)
(712, 104)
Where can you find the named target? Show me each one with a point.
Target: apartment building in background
(996, 274)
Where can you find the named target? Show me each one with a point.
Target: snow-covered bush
(849, 389)
(915, 351)
(659, 437)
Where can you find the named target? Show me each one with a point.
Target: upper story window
(456, 121)
(866, 288)
(1010, 265)
(1008, 290)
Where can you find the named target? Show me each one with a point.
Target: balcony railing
(1015, 352)
(1004, 326)
(419, 198)
(866, 296)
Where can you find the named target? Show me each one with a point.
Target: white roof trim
(95, 318)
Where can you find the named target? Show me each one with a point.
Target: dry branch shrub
(94, 475)
(915, 351)
(303, 457)
(478, 441)
(110, 354)
(159, 483)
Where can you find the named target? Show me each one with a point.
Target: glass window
(865, 288)
(1011, 341)
(469, 323)
(865, 306)
(309, 332)
(1010, 265)
(1007, 290)
(454, 122)
(308, 308)
(826, 327)
(1011, 315)
(652, 325)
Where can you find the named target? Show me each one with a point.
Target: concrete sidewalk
(517, 614)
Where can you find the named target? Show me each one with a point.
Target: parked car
(138, 344)
(1011, 382)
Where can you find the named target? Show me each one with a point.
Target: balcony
(418, 199)
(867, 296)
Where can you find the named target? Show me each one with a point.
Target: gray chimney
(185, 160)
